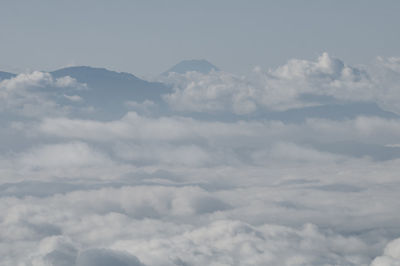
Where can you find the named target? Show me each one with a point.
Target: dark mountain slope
(114, 85)
(6, 75)
(109, 91)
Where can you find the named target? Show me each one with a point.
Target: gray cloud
(104, 257)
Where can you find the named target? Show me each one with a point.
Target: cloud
(209, 180)
(391, 63)
(55, 250)
(135, 136)
(284, 88)
(391, 255)
(163, 153)
(217, 91)
(62, 160)
(61, 251)
(66, 155)
(31, 80)
(74, 98)
(228, 242)
(104, 257)
(31, 95)
(164, 225)
(259, 215)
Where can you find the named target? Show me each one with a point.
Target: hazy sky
(147, 37)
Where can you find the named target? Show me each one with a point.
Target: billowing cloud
(175, 225)
(31, 94)
(391, 255)
(217, 91)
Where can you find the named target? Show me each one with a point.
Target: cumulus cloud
(391, 255)
(31, 94)
(217, 91)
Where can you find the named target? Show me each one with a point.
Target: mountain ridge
(6, 75)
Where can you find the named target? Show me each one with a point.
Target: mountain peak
(198, 65)
(81, 73)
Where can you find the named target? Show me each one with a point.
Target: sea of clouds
(209, 179)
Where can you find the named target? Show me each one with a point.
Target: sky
(147, 37)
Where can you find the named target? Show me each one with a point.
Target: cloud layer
(214, 175)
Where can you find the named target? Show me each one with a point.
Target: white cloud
(391, 63)
(74, 98)
(22, 81)
(67, 81)
(163, 153)
(65, 155)
(31, 94)
(325, 68)
(37, 79)
(217, 91)
(251, 134)
(391, 255)
(240, 221)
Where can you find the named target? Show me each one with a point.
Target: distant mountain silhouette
(109, 90)
(114, 84)
(201, 66)
(6, 75)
